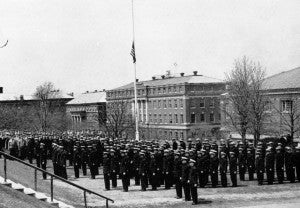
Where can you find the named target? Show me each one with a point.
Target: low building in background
(174, 106)
(282, 109)
(87, 110)
(26, 112)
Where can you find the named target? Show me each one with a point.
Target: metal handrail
(52, 176)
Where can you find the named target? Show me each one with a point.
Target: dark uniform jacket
(185, 173)
(177, 170)
(223, 165)
(193, 176)
(106, 165)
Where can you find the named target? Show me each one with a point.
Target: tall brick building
(174, 106)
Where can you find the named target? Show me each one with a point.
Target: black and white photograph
(149, 103)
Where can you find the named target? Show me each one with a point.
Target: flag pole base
(137, 136)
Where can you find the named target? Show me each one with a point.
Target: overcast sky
(83, 45)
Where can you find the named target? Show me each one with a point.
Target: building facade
(174, 106)
(85, 109)
(29, 113)
(282, 108)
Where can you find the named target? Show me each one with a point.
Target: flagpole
(137, 137)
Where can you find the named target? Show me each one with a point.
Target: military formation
(186, 166)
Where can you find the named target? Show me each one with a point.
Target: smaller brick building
(84, 110)
(282, 113)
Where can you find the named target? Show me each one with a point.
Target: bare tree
(238, 81)
(117, 118)
(258, 101)
(49, 114)
(246, 98)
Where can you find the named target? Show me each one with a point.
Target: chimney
(21, 97)
(71, 94)
(153, 78)
(195, 73)
(163, 76)
(182, 74)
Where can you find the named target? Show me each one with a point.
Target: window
(193, 103)
(166, 118)
(202, 117)
(180, 89)
(170, 103)
(192, 88)
(286, 106)
(181, 134)
(164, 90)
(181, 118)
(150, 118)
(176, 135)
(159, 90)
(169, 89)
(165, 104)
(155, 119)
(212, 103)
(268, 106)
(160, 119)
(175, 89)
(202, 103)
(175, 103)
(211, 117)
(176, 118)
(181, 103)
(170, 118)
(171, 135)
(166, 134)
(159, 104)
(154, 103)
(193, 118)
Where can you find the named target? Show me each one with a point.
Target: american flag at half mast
(132, 53)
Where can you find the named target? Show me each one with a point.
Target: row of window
(286, 106)
(167, 134)
(172, 103)
(166, 118)
(200, 118)
(194, 102)
(153, 91)
(178, 118)
(160, 90)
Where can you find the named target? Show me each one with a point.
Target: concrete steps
(30, 192)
